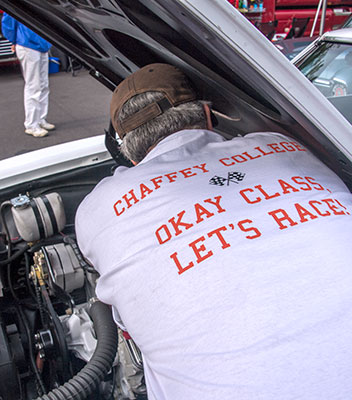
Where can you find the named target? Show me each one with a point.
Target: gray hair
(136, 143)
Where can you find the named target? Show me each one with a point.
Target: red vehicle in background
(294, 18)
(7, 56)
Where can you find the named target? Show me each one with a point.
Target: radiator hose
(86, 380)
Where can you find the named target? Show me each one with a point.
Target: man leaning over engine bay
(227, 261)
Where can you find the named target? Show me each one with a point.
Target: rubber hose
(14, 256)
(83, 384)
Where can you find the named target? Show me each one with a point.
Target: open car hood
(251, 85)
(47, 290)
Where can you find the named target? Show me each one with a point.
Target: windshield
(348, 23)
(329, 68)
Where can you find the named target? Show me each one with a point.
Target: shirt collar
(181, 138)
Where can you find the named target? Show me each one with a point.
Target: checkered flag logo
(234, 177)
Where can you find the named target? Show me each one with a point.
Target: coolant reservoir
(39, 217)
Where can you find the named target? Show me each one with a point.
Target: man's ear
(207, 112)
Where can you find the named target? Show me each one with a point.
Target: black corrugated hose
(83, 384)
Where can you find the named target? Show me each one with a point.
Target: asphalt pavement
(78, 106)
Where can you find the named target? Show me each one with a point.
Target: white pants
(35, 70)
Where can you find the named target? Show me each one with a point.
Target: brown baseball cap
(163, 78)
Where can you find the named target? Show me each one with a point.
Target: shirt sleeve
(9, 28)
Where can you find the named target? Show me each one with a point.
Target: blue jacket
(18, 33)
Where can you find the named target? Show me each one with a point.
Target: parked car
(291, 47)
(327, 63)
(46, 288)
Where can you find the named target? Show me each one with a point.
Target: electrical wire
(9, 282)
(14, 256)
(28, 282)
(113, 372)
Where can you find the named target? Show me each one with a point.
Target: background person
(228, 261)
(32, 52)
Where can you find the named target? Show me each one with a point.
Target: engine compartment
(49, 332)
